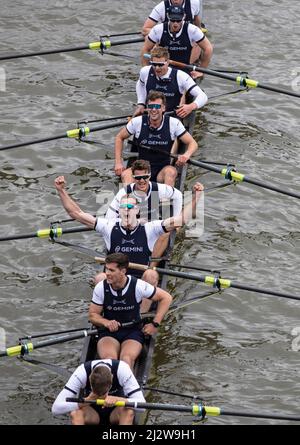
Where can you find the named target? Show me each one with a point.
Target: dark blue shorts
(156, 168)
(123, 334)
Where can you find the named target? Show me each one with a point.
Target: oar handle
(76, 400)
(136, 266)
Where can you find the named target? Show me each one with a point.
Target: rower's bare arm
(189, 209)
(148, 45)
(197, 21)
(191, 145)
(148, 25)
(119, 142)
(96, 318)
(164, 300)
(71, 207)
(207, 51)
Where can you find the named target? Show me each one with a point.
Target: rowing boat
(143, 364)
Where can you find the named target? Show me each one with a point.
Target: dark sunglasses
(176, 20)
(159, 64)
(154, 106)
(138, 177)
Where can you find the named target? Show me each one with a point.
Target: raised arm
(188, 210)
(70, 206)
(177, 202)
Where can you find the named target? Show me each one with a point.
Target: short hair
(101, 380)
(153, 95)
(119, 258)
(159, 52)
(141, 164)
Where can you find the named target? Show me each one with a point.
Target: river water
(237, 350)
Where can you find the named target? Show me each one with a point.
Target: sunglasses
(176, 20)
(127, 206)
(159, 64)
(154, 106)
(138, 177)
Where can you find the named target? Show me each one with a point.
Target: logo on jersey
(161, 87)
(129, 249)
(120, 308)
(129, 241)
(155, 136)
(176, 42)
(119, 301)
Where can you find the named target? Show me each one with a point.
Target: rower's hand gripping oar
(198, 410)
(218, 282)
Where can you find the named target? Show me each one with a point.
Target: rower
(150, 194)
(192, 10)
(127, 234)
(116, 301)
(178, 36)
(157, 131)
(111, 380)
(155, 201)
(175, 84)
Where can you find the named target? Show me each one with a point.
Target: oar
(25, 348)
(196, 410)
(230, 174)
(82, 249)
(47, 334)
(175, 306)
(98, 46)
(218, 282)
(124, 34)
(241, 80)
(75, 133)
(49, 366)
(46, 233)
(201, 269)
(172, 393)
(105, 119)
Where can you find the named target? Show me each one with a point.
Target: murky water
(235, 349)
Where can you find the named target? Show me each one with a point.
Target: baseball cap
(176, 13)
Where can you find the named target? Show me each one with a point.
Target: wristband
(155, 324)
